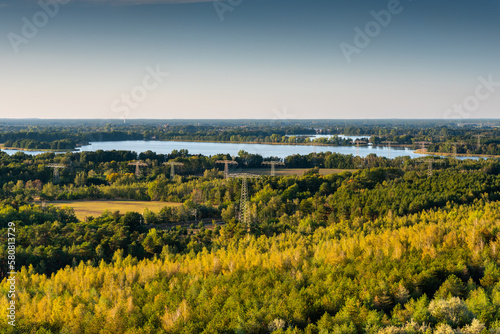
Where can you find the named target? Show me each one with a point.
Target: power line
(244, 216)
(479, 140)
(430, 162)
(455, 151)
(389, 142)
(56, 168)
(226, 166)
(359, 142)
(423, 143)
(137, 165)
(172, 167)
(273, 164)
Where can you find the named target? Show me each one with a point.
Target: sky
(264, 59)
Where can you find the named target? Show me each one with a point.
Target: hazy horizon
(250, 59)
(451, 120)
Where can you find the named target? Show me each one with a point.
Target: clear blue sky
(265, 59)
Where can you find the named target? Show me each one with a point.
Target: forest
(386, 246)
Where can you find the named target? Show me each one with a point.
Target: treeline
(487, 146)
(49, 137)
(29, 144)
(77, 133)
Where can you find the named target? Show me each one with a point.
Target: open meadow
(96, 208)
(296, 171)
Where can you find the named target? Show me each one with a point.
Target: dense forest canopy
(380, 246)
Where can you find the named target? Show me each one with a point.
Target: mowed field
(296, 171)
(96, 208)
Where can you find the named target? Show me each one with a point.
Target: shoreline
(48, 150)
(424, 151)
(258, 143)
(253, 143)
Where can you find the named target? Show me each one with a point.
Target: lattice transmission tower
(226, 166)
(56, 168)
(430, 166)
(358, 143)
(478, 141)
(244, 214)
(172, 167)
(423, 144)
(273, 165)
(455, 150)
(137, 165)
(389, 143)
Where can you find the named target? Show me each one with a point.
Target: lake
(266, 150)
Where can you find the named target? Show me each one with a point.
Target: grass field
(96, 208)
(295, 171)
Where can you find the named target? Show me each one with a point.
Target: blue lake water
(266, 150)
